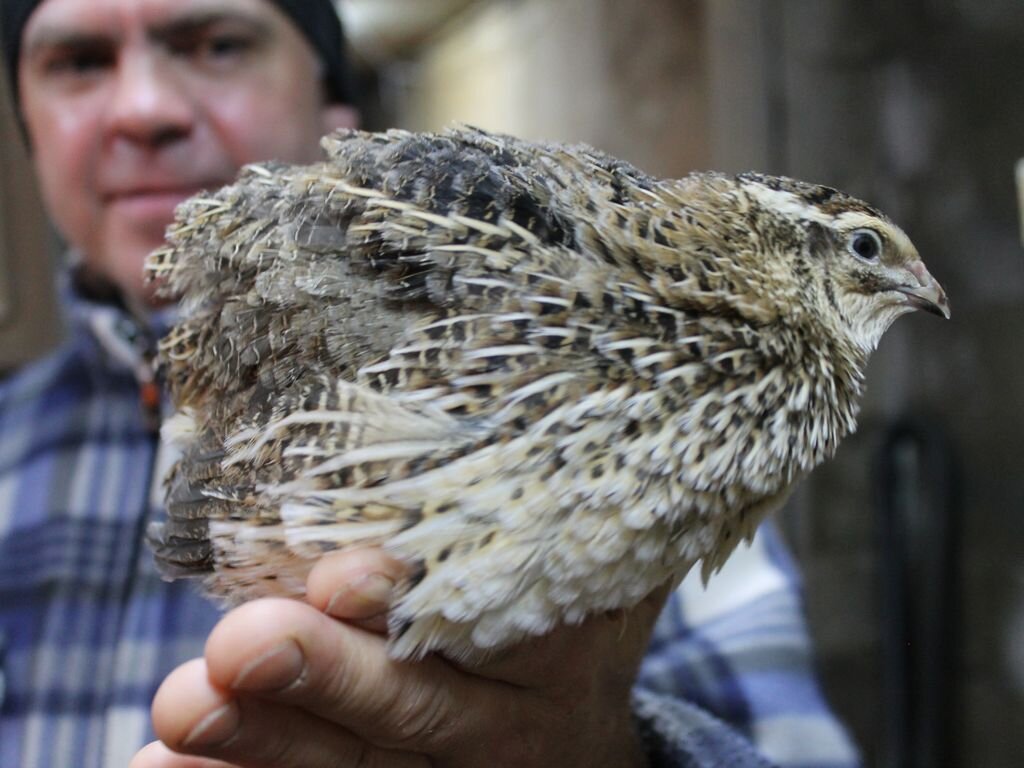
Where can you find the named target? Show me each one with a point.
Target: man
(128, 107)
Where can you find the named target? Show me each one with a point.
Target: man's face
(133, 105)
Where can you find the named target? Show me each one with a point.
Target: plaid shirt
(88, 630)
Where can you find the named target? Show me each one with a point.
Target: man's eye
(214, 48)
(225, 45)
(78, 62)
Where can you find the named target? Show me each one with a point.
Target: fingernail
(369, 596)
(278, 668)
(216, 728)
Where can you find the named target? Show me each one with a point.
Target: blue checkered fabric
(88, 630)
(739, 651)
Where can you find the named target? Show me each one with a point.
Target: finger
(157, 755)
(193, 716)
(356, 586)
(290, 653)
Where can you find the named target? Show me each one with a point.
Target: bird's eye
(865, 244)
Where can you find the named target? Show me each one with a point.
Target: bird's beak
(927, 294)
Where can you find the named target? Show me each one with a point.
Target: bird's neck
(758, 416)
(820, 403)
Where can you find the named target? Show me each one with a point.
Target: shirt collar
(124, 336)
(127, 335)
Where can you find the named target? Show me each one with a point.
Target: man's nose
(151, 103)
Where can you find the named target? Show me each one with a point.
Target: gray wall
(29, 318)
(918, 107)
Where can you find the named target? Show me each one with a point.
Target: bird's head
(859, 268)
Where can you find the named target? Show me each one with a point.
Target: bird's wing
(324, 268)
(413, 282)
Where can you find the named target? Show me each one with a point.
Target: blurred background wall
(912, 540)
(29, 320)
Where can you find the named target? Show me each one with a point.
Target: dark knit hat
(316, 19)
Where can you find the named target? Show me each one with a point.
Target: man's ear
(339, 116)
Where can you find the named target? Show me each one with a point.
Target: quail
(544, 379)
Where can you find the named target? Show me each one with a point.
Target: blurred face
(133, 105)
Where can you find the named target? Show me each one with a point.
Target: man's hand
(285, 684)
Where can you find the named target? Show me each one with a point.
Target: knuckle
(421, 716)
(336, 679)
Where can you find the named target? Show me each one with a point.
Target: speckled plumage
(545, 379)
